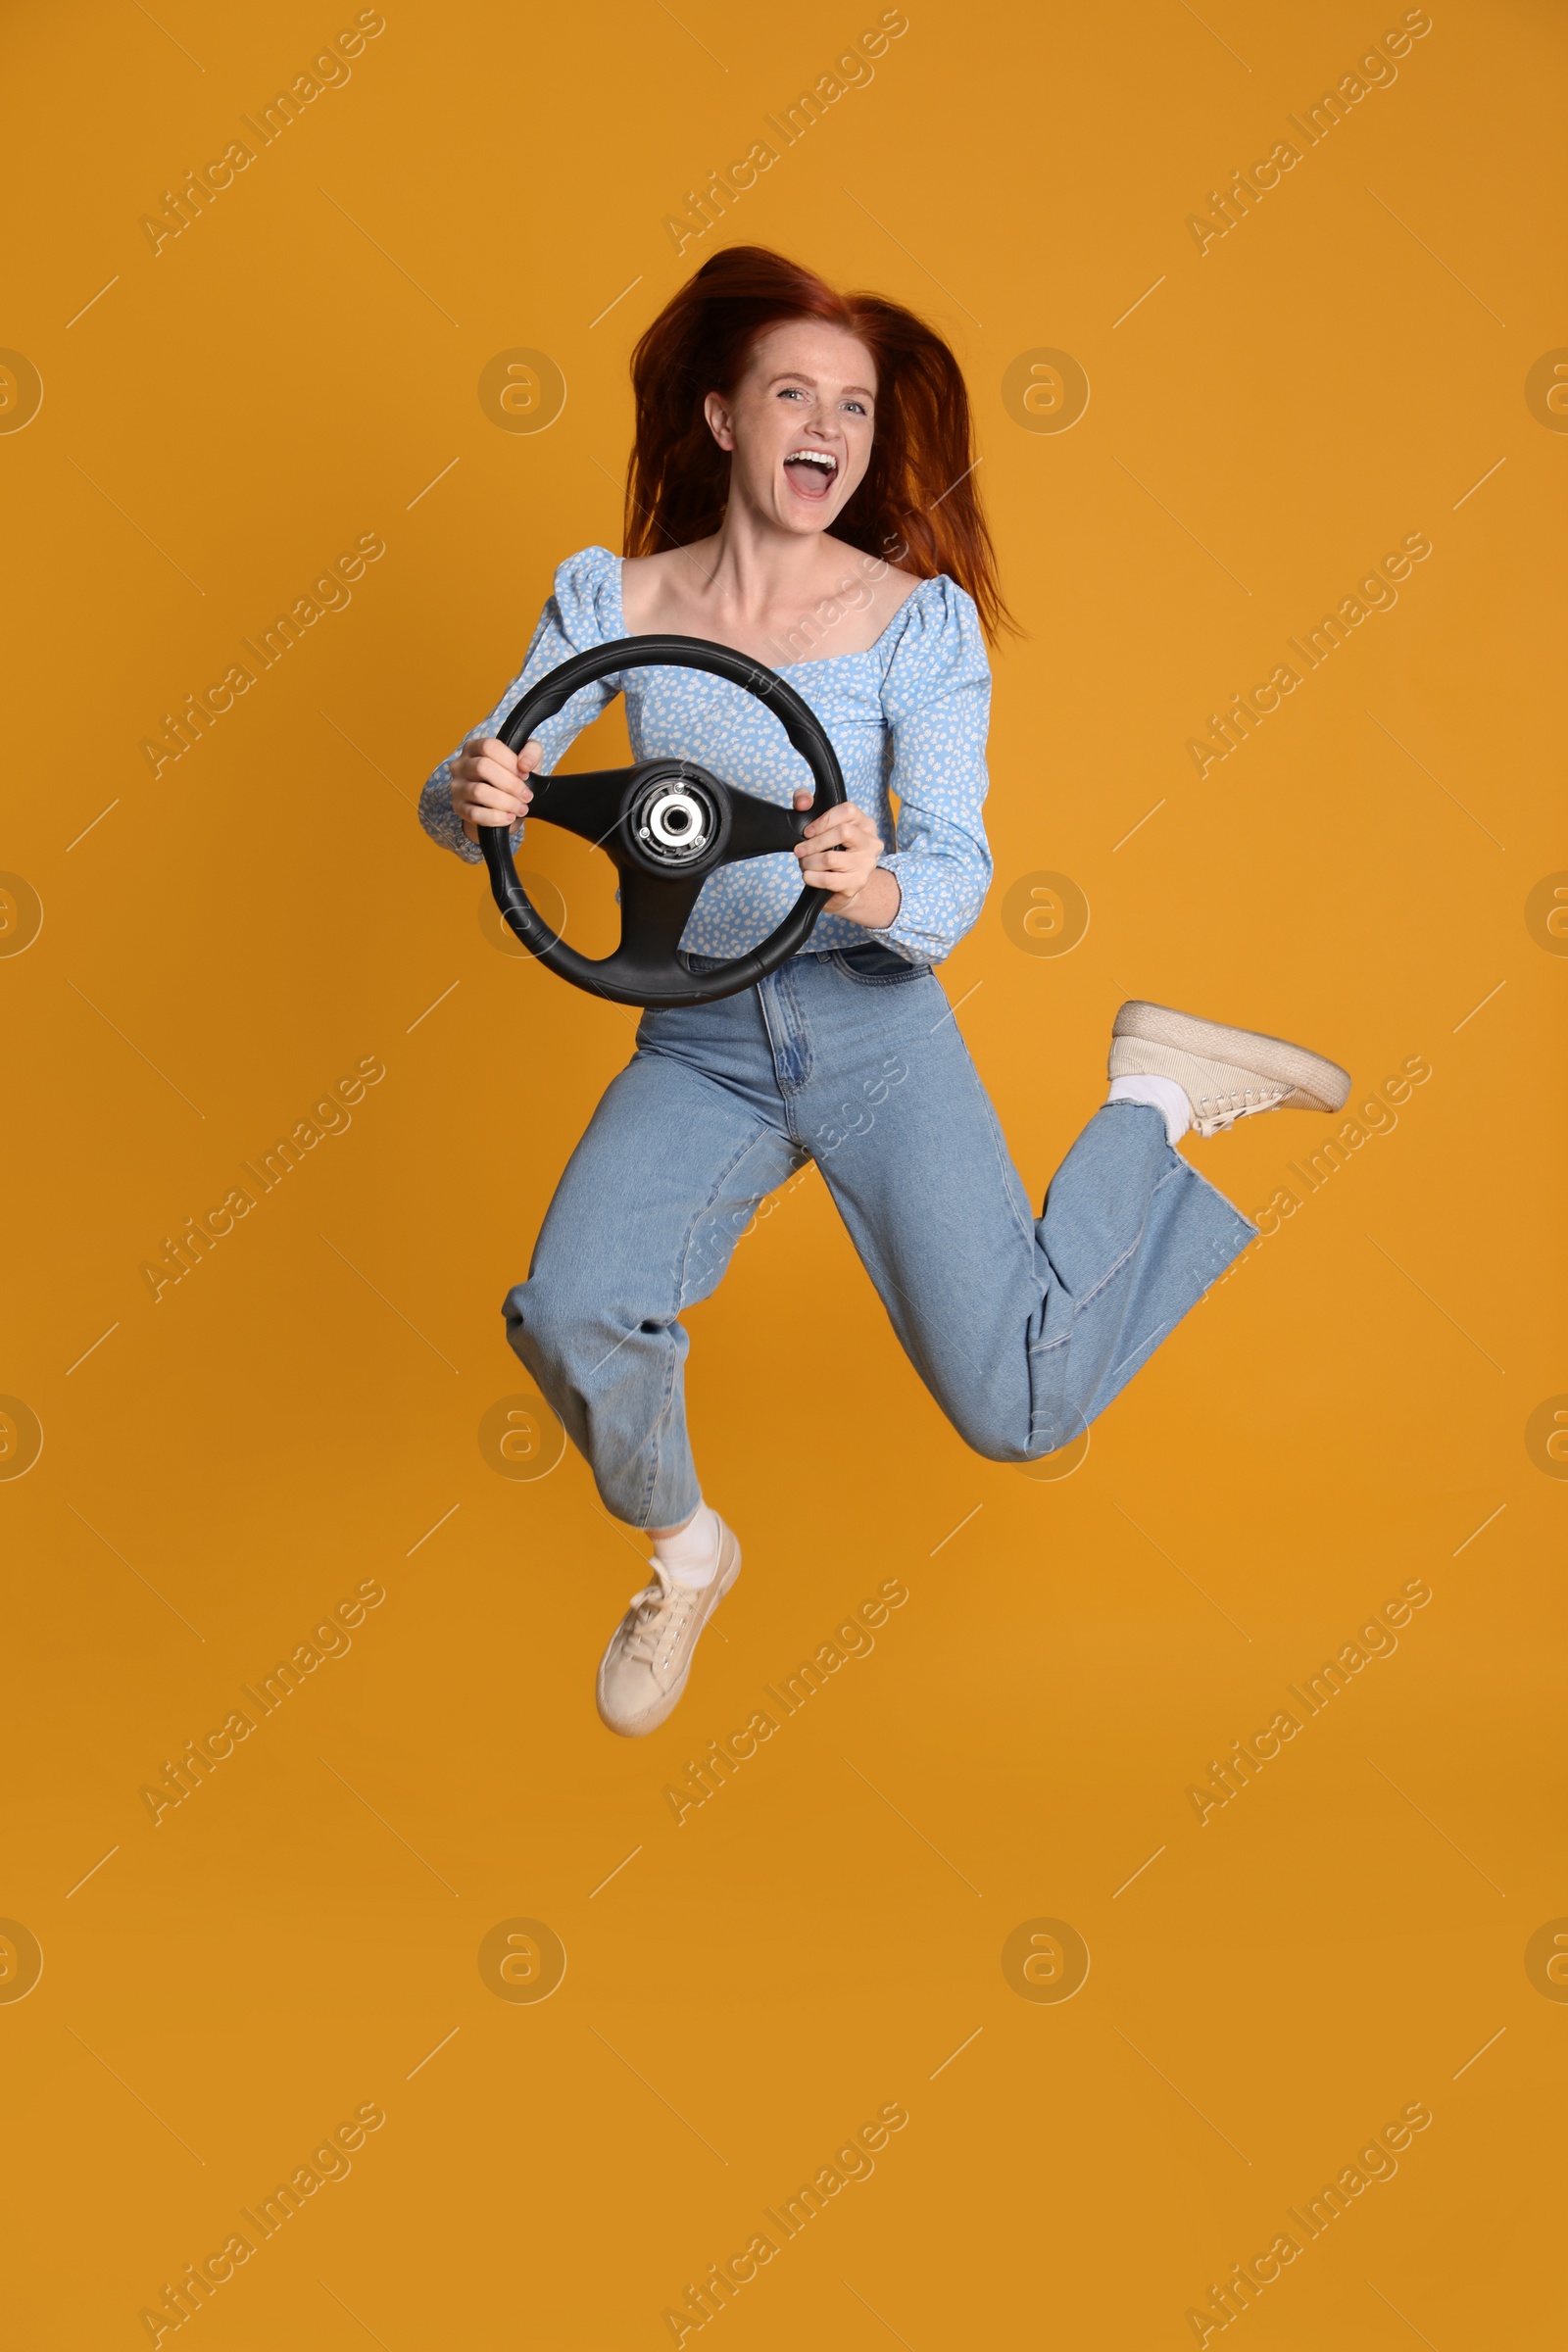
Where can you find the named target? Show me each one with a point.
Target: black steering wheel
(668, 824)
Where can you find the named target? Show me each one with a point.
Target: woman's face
(799, 425)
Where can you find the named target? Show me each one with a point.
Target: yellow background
(294, 370)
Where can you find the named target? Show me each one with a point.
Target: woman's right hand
(490, 784)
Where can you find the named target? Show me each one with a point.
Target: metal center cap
(675, 820)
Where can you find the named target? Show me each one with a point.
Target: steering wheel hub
(674, 821)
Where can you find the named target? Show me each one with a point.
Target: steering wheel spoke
(653, 912)
(588, 805)
(758, 828)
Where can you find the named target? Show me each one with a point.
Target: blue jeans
(1022, 1328)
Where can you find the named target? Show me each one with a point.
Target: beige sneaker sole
(637, 1727)
(1314, 1083)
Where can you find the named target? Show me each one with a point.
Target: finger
(490, 746)
(488, 804)
(490, 771)
(841, 826)
(473, 764)
(497, 792)
(804, 796)
(528, 759)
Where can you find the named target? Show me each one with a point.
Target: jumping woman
(801, 488)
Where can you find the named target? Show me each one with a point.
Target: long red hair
(918, 506)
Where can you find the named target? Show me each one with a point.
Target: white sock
(1166, 1095)
(691, 1553)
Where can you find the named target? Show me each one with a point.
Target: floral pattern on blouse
(907, 716)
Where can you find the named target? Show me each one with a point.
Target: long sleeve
(936, 695)
(583, 611)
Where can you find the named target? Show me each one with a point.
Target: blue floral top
(908, 714)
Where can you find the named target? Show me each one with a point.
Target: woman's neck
(755, 569)
(777, 595)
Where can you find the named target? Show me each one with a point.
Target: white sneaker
(1226, 1074)
(643, 1672)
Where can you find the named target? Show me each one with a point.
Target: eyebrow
(797, 375)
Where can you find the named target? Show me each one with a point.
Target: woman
(801, 488)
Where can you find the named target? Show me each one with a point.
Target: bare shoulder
(895, 587)
(634, 569)
(888, 589)
(640, 577)
(655, 589)
(886, 583)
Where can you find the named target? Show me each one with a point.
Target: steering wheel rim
(648, 807)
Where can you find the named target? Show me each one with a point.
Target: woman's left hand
(839, 853)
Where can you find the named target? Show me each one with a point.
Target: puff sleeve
(583, 611)
(936, 698)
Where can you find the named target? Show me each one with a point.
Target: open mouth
(810, 472)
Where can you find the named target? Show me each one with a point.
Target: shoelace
(661, 1611)
(1238, 1102)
